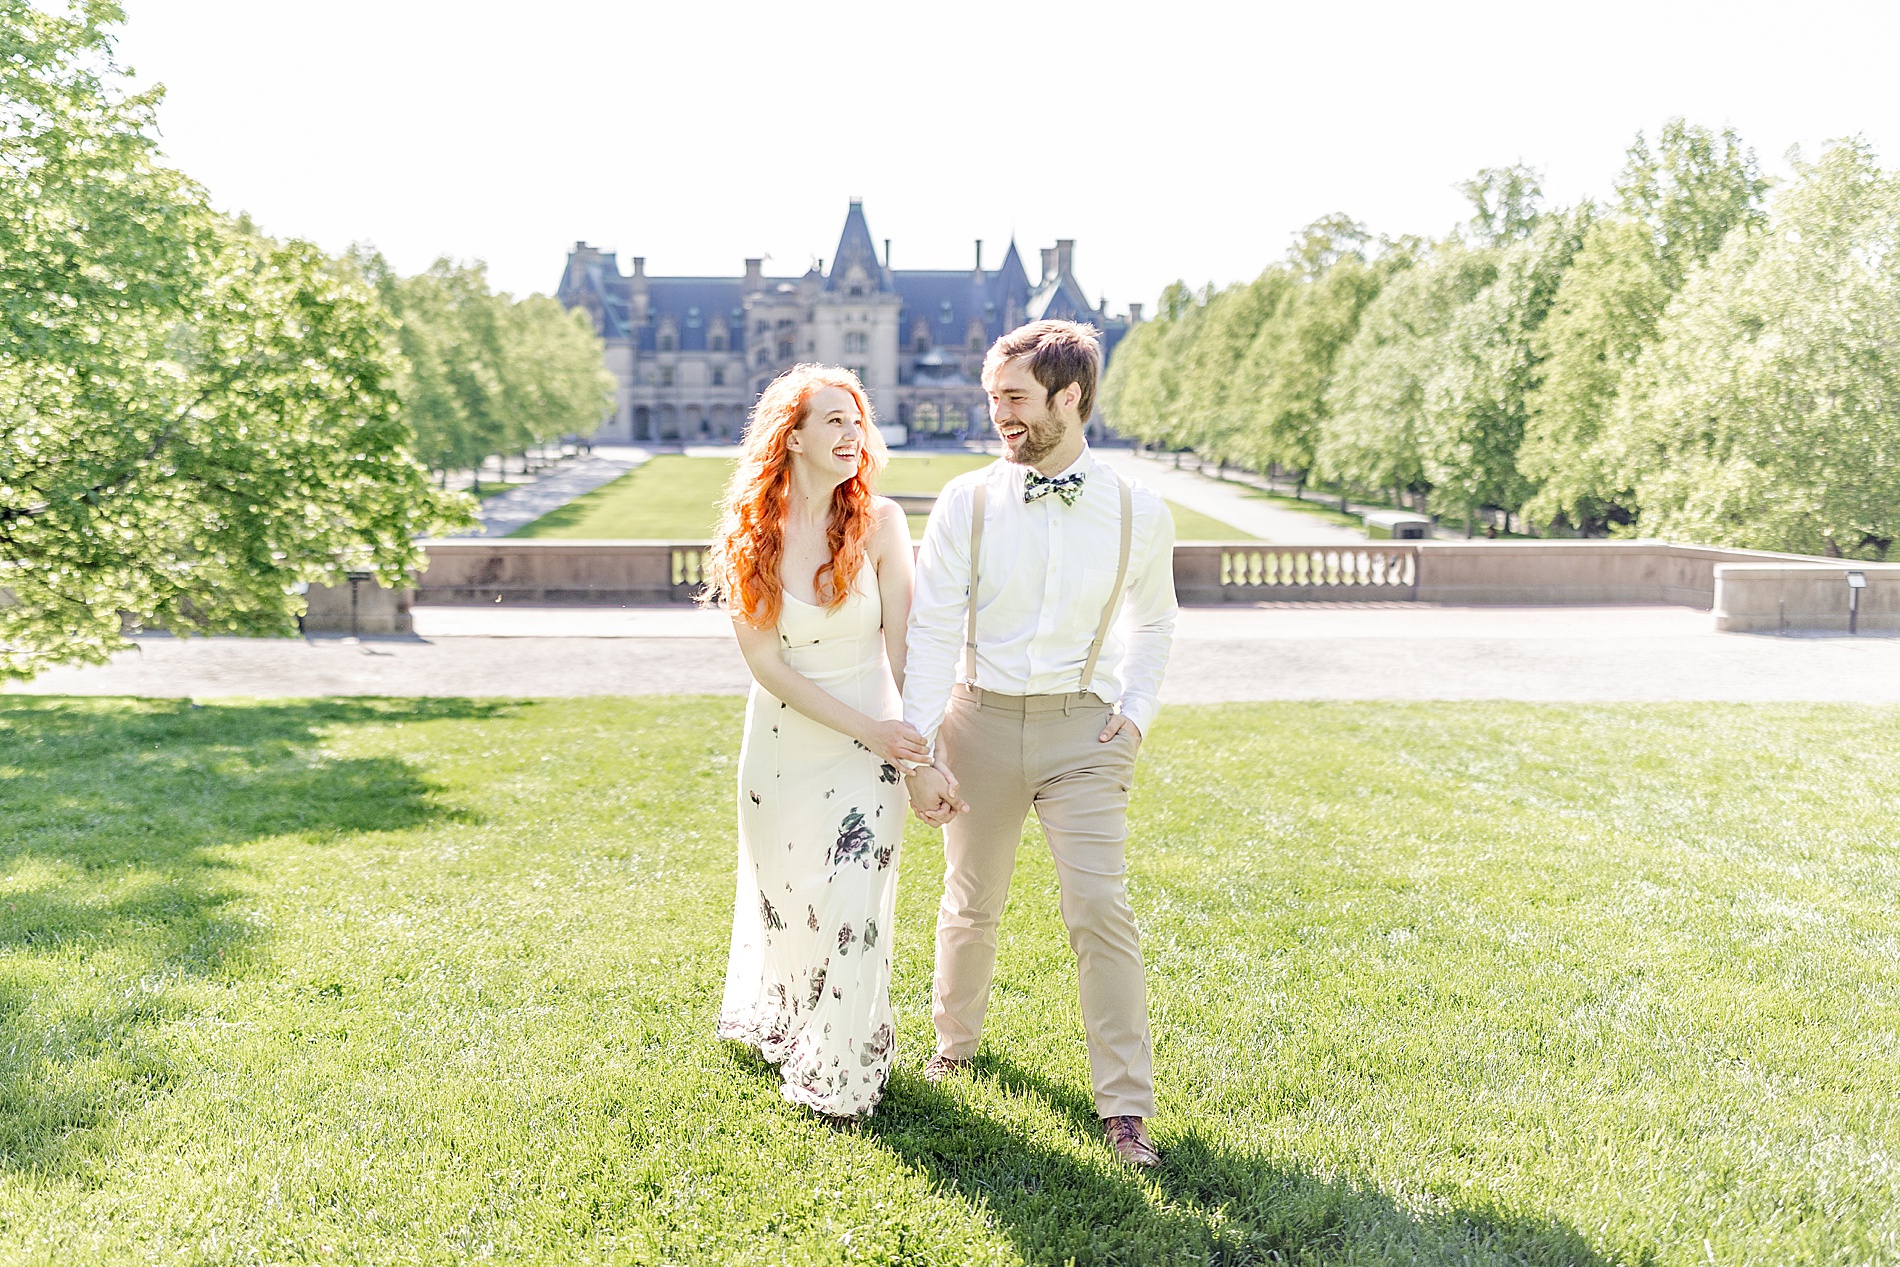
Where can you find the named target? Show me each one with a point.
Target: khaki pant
(1011, 754)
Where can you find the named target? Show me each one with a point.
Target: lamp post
(355, 579)
(1856, 582)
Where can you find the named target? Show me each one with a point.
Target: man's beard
(1041, 438)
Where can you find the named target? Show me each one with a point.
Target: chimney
(637, 290)
(1065, 257)
(1134, 314)
(887, 252)
(979, 255)
(1048, 262)
(754, 275)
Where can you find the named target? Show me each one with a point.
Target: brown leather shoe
(939, 1067)
(1129, 1138)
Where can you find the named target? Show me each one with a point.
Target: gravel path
(1292, 652)
(519, 507)
(1229, 503)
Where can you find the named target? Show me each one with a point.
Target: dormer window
(719, 343)
(666, 343)
(946, 313)
(692, 318)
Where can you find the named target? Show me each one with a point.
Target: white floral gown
(808, 983)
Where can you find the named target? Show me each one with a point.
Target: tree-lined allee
(1693, 359)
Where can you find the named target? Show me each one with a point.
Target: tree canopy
(195, 419)
(1687, 359)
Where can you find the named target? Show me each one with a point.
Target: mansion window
(719, 343)
(719, 376)
(856, 341)
(764, 356)
(785, 349)
(666, 343)
(861, 373)
(764, 326)
(923, 341)
(666, 376)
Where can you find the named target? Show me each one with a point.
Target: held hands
(896, 741)
(933, 795)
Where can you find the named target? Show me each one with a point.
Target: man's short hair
(1059, 352)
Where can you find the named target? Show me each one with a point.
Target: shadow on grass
(114, 877)
(1205, 1204)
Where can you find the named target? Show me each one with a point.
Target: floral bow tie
(1067, 487)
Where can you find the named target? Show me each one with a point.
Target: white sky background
(1176, 139)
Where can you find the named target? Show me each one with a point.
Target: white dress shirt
(1046, 573)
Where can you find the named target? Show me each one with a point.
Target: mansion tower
(692, 353)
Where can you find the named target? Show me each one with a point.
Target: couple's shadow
(1064, 1200)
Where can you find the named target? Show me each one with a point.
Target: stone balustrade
(1747, 590)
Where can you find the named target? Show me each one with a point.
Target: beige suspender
(976, 552)
(1109, 612)
(1114, 595)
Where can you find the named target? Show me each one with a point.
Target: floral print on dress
(855, 839)
(812, 995)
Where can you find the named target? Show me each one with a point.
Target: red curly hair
(742, 571)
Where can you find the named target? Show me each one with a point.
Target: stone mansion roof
(940, 310)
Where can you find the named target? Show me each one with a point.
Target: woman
(816, 573)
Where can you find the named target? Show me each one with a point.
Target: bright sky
(1169, 139)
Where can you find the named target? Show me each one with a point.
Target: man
(1050, 705)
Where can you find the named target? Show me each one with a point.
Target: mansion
(691, 354)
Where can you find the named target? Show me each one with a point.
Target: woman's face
(830, 441)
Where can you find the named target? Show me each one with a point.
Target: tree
(554, 375)
(484, 374)
(1216, 400)
(1476, 402)
(1289, 365)
(1767, 413)
(1673, 209)
(1504, 203)
(194, 419)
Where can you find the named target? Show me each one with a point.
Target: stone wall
(1805, 597)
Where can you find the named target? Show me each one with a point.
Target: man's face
(1030, 423)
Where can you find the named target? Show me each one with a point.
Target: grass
(674, 497)
(492, 490)
(389, 981)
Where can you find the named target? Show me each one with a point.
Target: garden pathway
(1291, 652)
(1231, 503)
(519, 507)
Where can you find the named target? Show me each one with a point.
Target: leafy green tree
(554, 375)
(193, 418)
(1215, 398)
(1289, 365)
(1673, 209)
(1505, 204)
(485, 374)
(1767, 413)
(1476, 401)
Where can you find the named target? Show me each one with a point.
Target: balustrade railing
(1237, 573)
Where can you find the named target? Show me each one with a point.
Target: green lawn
(433, 982)
(674, 497)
